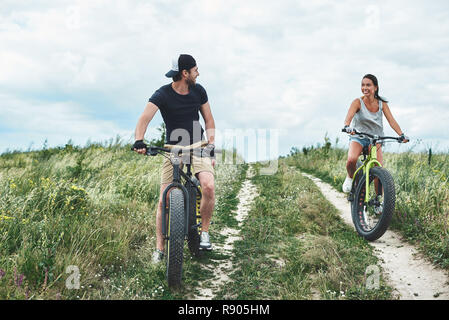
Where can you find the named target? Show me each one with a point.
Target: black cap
(183, 62)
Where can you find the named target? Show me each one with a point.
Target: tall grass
(422, 192)
(93, 208)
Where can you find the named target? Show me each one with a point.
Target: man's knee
(208, 189)
(207, 184)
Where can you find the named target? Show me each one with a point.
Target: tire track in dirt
(246, 196)
(405, 269)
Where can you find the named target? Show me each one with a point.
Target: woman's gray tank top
(367, 121)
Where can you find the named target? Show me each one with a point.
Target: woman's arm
(393, 124)
(353, 109)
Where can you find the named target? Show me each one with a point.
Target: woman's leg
(355, 149)
(380, 159)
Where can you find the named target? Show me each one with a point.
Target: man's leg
(166, 179)
(159, 236)
(207, 181)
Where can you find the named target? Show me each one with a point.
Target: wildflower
(19, 280)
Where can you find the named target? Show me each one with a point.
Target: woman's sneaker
(378, 209)
(158, 256)
(347, 185)
(205, 241)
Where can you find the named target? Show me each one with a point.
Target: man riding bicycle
(180, 103)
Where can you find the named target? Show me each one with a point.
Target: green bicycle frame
(370, 162)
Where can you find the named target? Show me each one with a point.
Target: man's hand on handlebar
(209, 152)
(140, 147)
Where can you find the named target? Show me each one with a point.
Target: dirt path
(411, 275)
(246, 196)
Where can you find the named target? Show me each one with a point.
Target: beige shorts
(199, 164)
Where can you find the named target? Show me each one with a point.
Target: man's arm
(208, 122)
(143, 122)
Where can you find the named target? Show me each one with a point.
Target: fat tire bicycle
(181, 216)
(373, 193)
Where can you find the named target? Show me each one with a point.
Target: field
(87, 211)
(90, 211)
(295, 246)
(422, 192)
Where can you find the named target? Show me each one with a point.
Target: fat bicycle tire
(175, 239)
(360, 210)
(194, 228)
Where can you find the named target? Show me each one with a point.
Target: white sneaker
(347, 185)
(158, 256)
(205, 241)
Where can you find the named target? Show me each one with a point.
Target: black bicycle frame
(177, 174)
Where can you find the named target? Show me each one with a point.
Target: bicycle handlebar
(195, 148)
(374, 137)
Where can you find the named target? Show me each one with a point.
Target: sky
(279, 73)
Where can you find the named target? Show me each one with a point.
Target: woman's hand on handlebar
(348, 129)
(404, 138)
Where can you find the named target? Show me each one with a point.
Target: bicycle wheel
(372, 219)
(175, 239)
(193, 235)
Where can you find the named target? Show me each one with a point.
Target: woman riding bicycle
(366, 112)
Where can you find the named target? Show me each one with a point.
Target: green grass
(295, 246)
(94, 208)
(422, 193)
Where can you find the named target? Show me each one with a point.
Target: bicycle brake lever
(151, 152)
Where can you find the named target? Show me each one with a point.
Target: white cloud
(34, 122)
(291, 65)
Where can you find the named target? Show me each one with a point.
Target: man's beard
(190, 82)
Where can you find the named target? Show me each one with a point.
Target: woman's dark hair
(376, 83)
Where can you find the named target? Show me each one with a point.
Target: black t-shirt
(181, 113)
